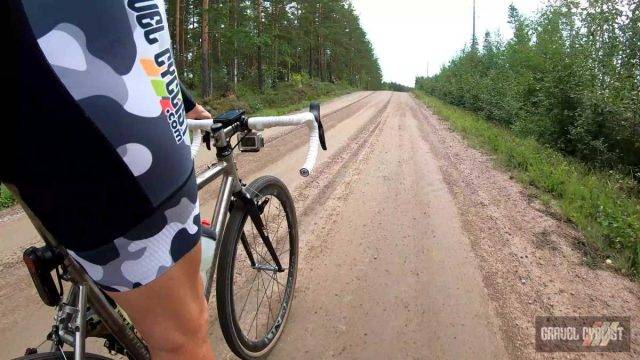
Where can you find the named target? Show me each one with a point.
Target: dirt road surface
(412, 245)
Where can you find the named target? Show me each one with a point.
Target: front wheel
(253, 297)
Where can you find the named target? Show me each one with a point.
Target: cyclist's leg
(171, 312)
(153, 272)
(96, 149)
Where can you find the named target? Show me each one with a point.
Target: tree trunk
(178, 33)
(259, 50)
(275, 61)
(183, 36)
(310, 60)
(219, 32)
(229, 29)
(235, 47)
(320, 45)
(205, 83)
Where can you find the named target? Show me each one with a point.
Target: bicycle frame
(230, 184)
(85, 291)
(71, 318)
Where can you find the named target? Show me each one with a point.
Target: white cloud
(408, 34)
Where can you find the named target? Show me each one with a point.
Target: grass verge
(6, 199)
(600, 204)
(285, 98)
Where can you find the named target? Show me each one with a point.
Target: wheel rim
(261, 296)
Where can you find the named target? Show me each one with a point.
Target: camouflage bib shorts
(99, 150)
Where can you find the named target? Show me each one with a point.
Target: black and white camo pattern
(96, 49)
(150, 249)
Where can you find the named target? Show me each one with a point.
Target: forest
(569, 78)
(221, 45)
(394, 86)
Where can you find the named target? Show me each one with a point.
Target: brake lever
(206, 139)
(314, 108)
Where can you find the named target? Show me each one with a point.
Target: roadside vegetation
(6, 200)
(597, 202)
(561, 100)
(392, 86)
(569, 78)
(284, 98)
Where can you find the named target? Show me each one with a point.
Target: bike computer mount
(229, 118)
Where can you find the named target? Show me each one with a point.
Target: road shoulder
(530, 260)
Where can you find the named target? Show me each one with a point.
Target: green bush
(597, 202)
(569, 78)
(6, 199)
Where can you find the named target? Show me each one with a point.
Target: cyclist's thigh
(171, 312)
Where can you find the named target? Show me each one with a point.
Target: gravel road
(412, 246)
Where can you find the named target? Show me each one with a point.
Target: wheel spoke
(278, 230)
(278, 286)
(257, 307)
(265, 260)
(268, 305)
(266, 220)
(256, 315)
(271, 297)
(255, 245)
(247, 298)
(283, 251)
(275, 279)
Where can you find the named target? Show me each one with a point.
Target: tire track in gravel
(250, 163)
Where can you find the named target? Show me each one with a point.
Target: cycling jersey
(99, 150)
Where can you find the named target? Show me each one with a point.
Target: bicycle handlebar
(310, 119)
(307, 119)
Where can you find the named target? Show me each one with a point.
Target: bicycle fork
(255, 210)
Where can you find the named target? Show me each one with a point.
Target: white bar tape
(196, 142)
(196, 127)
(200, 124)
(261, 123)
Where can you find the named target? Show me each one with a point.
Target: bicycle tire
(58, 356)
(236, 339)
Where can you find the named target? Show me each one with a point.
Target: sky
(409, 34)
